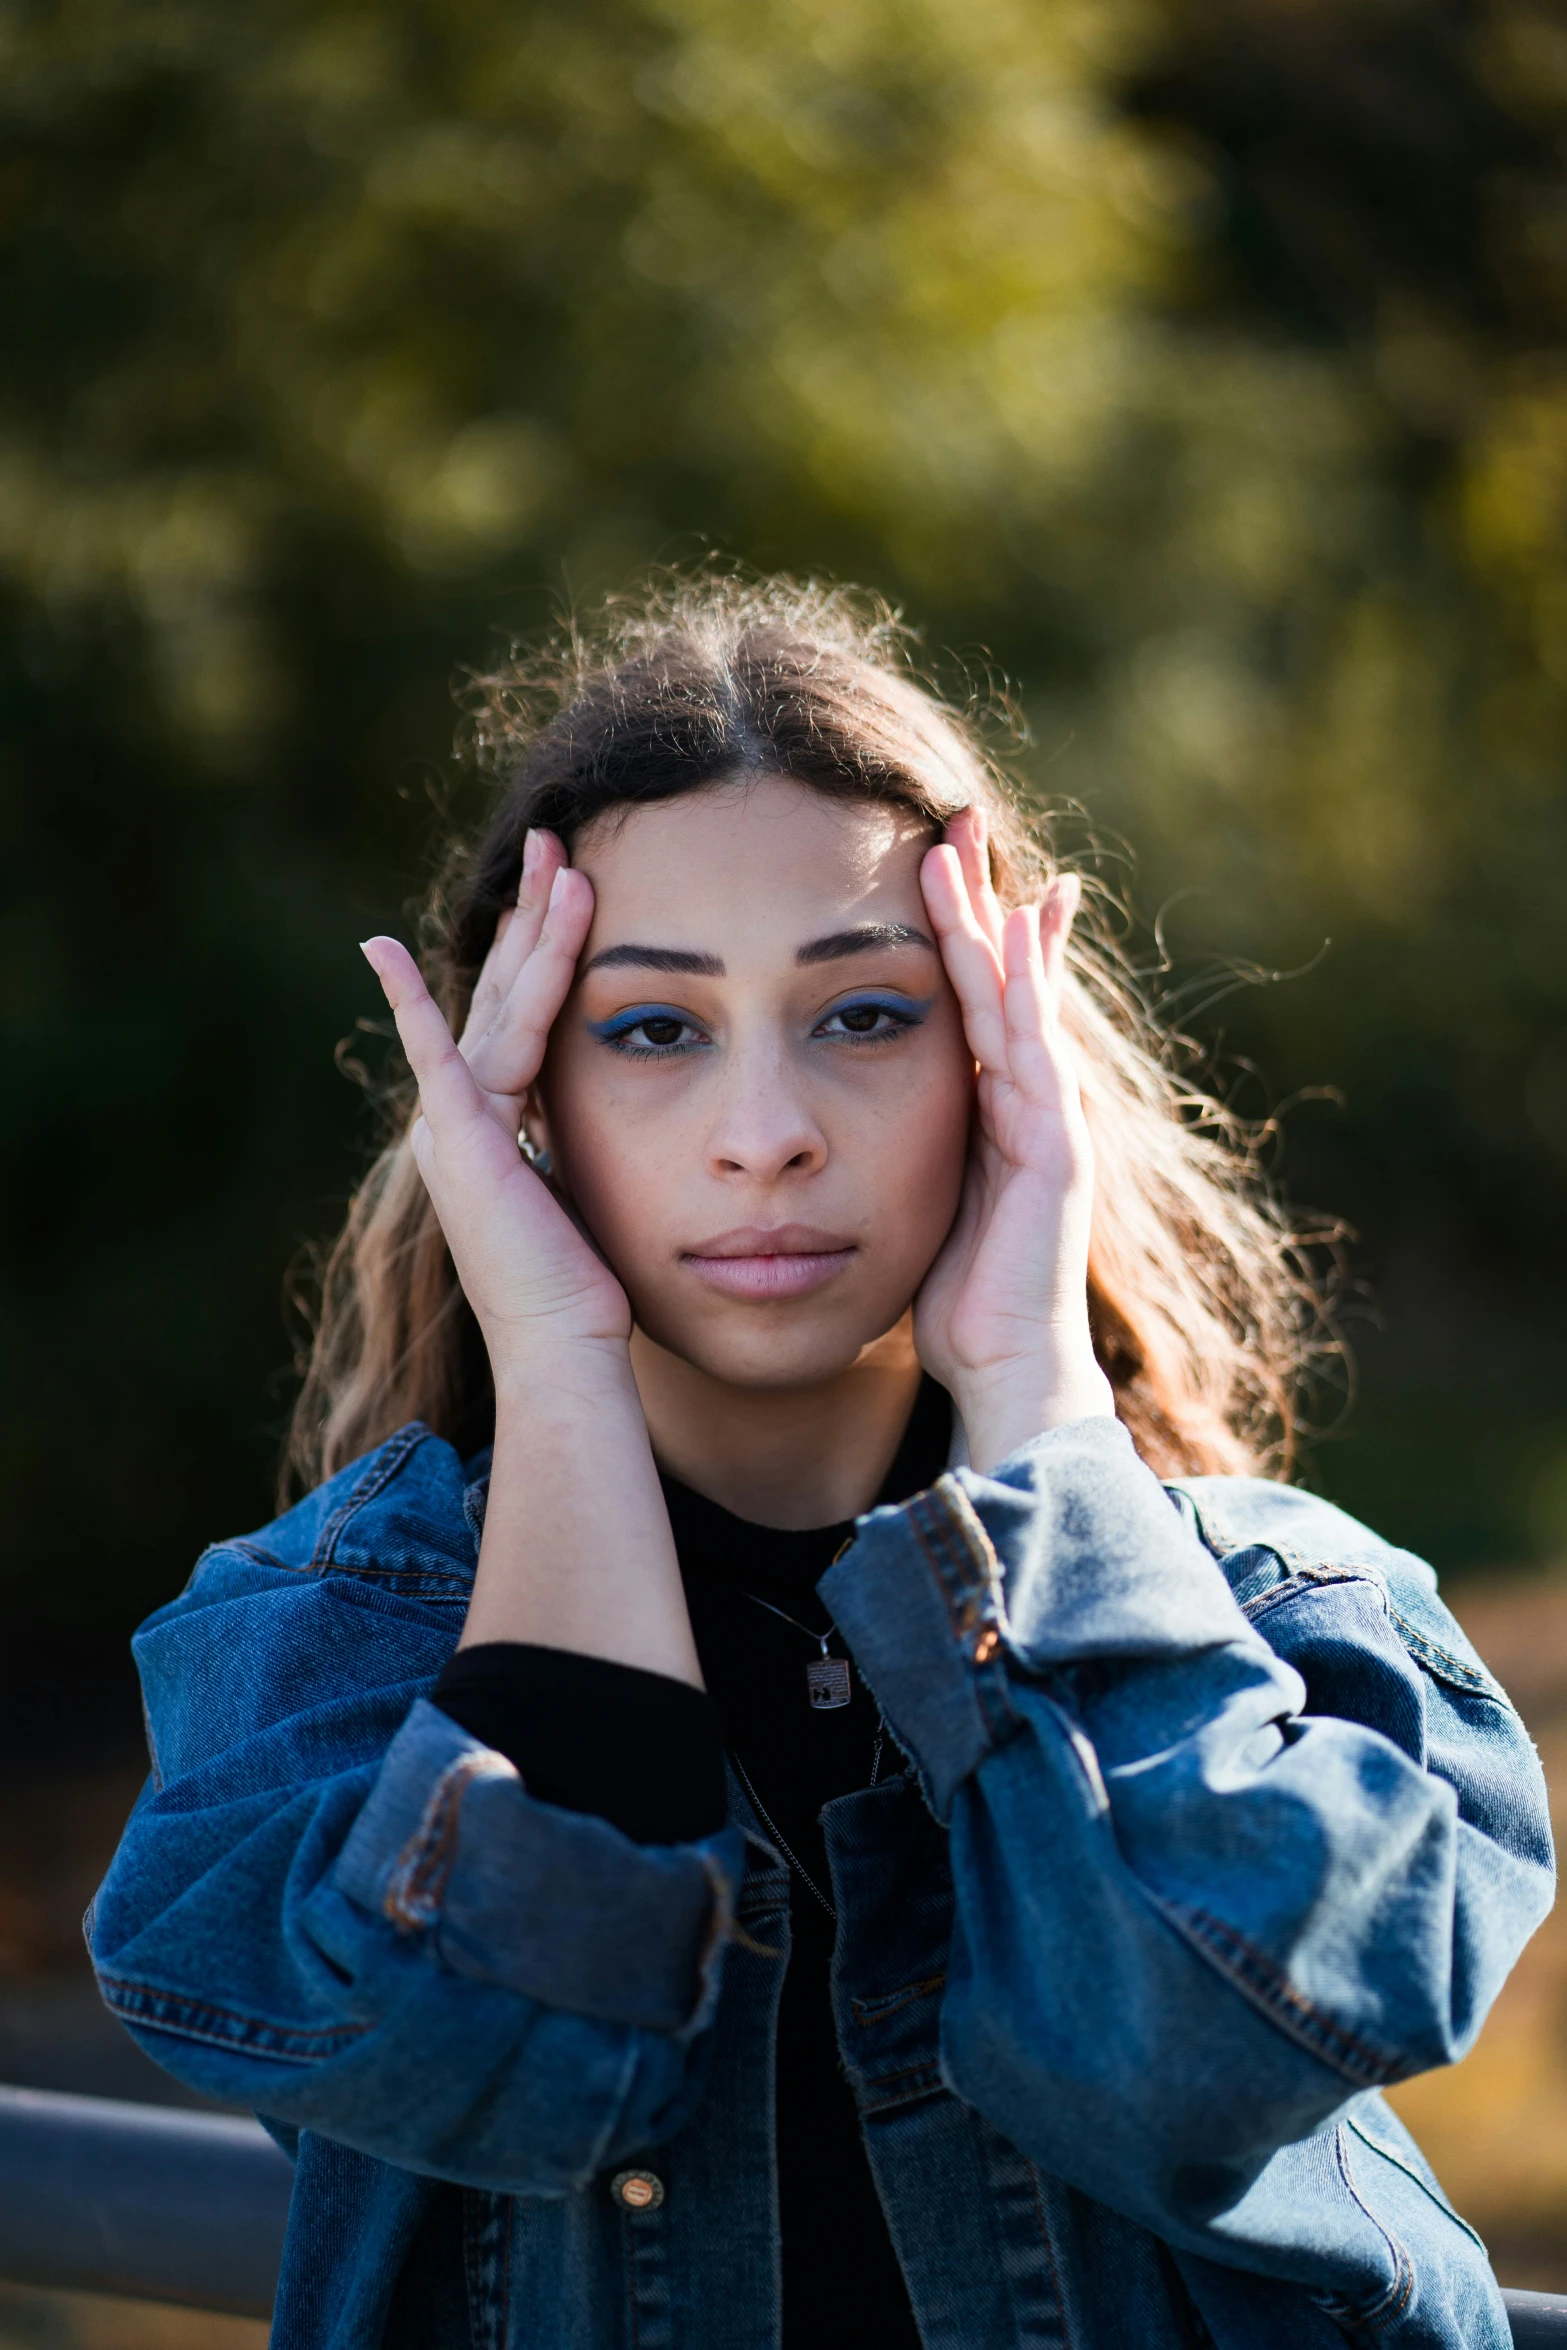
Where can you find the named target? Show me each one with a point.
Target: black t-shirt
(645, 1752)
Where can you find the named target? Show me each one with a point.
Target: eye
(649, 1032)
(871, 1019)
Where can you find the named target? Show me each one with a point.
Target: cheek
(613, 1149)
(916, 1149)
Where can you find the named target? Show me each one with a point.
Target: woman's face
(758, 1091)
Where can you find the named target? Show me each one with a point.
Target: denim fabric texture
(1212, 1825)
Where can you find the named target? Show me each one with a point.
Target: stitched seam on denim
(222, 2027)
(920, 2080)
(438, 1583)
(995, 1712)
(927, 2068)
(417, 1884)
(1255, 1972)
(231, 2042)
(1421, 1646)
(764, 1885)
(961, 1621)
(237, 2015)
(1473, 1683)
(1292, 1587)
(1433, 2195)
(960, 1595)
(871, 2011)
(965, 1521)
(405, 1578)
(375, 1481)
(1393, 2302)
(1050, 2254)
(990, 1675)
(629, 2266)
(1212, 1540)
(1420, 1642)
(971, 1529)
(486, 2214)
(636, 2228)
(253, 1550)
(953, 1547)
(1224, 1543)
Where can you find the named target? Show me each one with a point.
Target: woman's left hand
(1002, 1317)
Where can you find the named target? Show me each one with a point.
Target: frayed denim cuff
(554, 1904)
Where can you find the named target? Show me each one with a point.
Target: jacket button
(638, 2190)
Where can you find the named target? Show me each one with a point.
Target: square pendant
(827, 1684)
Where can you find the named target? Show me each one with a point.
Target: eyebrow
(863, 940)
(655, 959)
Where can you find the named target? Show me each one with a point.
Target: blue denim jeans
(1211, 1825)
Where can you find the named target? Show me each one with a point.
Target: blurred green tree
(1204, 367)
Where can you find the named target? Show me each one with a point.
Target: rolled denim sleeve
(1207, 1893)
(337, 1907)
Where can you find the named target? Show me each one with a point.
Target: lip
(790, 1260)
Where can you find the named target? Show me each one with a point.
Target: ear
(534, 1134)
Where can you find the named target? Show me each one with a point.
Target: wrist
(1005, 1405)
(559, 1377)
(576, 1552)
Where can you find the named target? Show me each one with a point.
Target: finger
(1056, 917)
(1025, 1005)
(969, 833)
(972, 962)
(508, 1055)
(543, 855)
(517, 931)
(447, 1093)
(1037, 1056)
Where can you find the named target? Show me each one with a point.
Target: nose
(765, 1127)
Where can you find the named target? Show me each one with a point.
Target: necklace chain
(785, 1618)
(746, 1781)
(770, 1825)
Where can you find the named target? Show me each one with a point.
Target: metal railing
(1538, 2320)
(99, 2196)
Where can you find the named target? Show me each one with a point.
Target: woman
(762, 1347)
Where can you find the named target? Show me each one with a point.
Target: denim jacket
(1212, 1824)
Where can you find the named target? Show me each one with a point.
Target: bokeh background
(1199, 367)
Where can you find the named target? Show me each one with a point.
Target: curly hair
(1204, 1311)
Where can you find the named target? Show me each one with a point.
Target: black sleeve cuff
(637, 1749)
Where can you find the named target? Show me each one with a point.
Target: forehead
(765, 855)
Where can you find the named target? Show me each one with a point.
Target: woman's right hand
(532, 1279)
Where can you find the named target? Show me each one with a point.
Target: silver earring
(539, 1160)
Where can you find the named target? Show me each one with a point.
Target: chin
(768, 1347)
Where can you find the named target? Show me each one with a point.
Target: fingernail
(530, 852)
(557, 886)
